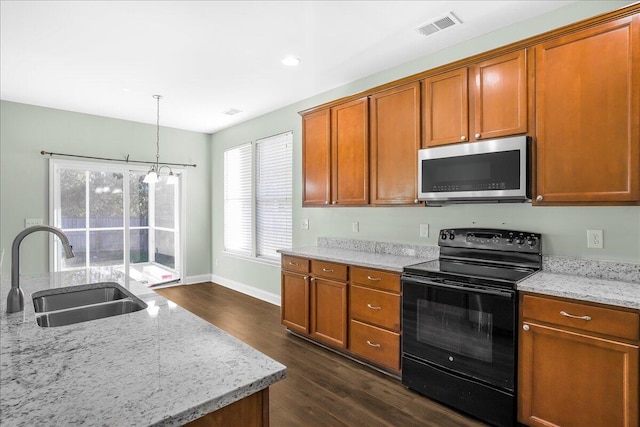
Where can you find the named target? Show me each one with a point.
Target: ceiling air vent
(438, 24)
(231, 112)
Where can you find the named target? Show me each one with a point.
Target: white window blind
(274, 188)
(238, 200)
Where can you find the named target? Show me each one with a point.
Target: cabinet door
(395, 141)
(329, 312)
(588, 115)
(316, 158)
(446, 108)
(350, 153)
(499, 96)
(570, 379)
(295, 302)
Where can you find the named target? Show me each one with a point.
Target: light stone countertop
(382, 261)
(603, 291)
(604, 282)
(133, 369)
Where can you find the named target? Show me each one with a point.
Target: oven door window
(465, 331)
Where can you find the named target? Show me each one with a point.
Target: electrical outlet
(424, 230)
(595, 239)
(305, 224)
(355, 227)
(30, 222)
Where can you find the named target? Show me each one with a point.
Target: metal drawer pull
(372, 344)
(565, 314)
(294, 263)
(374, 307)
(375, 279)
(327, 270)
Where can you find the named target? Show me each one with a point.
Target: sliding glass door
(113, 218)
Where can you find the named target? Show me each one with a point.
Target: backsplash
(386, 248)
(609, 270)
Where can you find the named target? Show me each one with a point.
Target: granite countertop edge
(560, 284)
(162, 369)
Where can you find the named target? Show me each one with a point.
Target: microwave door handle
(494, 292)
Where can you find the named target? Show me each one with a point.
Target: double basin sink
(75, 304)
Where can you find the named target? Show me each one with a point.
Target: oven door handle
(494, 292)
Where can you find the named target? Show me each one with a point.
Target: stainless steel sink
(75, 304)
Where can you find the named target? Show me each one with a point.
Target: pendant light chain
(157, 97)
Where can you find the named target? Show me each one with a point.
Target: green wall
(25, 130)
(564, 228)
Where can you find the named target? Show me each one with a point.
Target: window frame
(253, 255)
(55, 165)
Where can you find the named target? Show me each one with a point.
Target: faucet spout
(15, 299)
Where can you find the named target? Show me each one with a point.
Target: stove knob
(532, 241)
(444, 234)
(509, 240)
(519, 241)
(452, 235)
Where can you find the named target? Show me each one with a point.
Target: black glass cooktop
(475, 272)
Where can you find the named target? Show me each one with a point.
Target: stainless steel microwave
(496, 170)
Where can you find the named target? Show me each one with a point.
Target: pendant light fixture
(153, 175)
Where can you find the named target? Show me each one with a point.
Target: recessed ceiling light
(291, 61)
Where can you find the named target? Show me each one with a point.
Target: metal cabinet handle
(525, 327)
(373, 307)
(327, 270)
(313, 279)
(478, 135)
(416, 201)
(462, 138)
(375, 279)
(294, 263)
(305, 277)
(565, 314)
(372, 344)
(326, 202)
(334, 202)
(539, 198)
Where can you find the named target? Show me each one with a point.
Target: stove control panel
(492, 239)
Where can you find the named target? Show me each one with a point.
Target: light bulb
(152, 177)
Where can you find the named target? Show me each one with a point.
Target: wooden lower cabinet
(378, 345)
(329, 312)
(353, 310)
(569, 376)
(251, 411)
(295, 302)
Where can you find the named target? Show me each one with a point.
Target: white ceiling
(108, 58)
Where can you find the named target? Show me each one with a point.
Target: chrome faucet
(15, 299)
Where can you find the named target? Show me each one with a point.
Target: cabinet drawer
(377, 307)
(291, 263)
(602, 320)
(377, 345)
(329, 270)
(375, 278)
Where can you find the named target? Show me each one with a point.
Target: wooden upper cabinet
(394, 119)
(316, 158)
(350, 153)
(446, 108)
(485, 100)
(498, 96)
(588, 115)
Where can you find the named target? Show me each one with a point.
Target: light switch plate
(305, 224)
(30, 222)
(424, 230)
(355, 227)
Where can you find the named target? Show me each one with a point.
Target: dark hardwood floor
(322, 388)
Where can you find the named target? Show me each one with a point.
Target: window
(113, 218)
(258, 227)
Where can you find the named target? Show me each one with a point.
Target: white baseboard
(197, 279)
(245, 289)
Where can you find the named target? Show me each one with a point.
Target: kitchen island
(159, 366)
